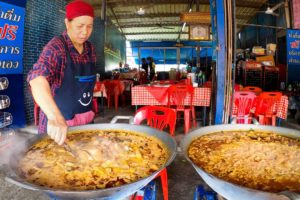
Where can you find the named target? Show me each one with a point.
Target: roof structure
(160, 19)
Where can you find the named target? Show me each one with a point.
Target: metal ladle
(74, 153)
(68, 148)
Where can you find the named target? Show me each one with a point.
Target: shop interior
(237, 60)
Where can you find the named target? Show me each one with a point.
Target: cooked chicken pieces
(105, 158)
(259, 160)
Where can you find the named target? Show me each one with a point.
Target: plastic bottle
(290, 88)
(201, 78)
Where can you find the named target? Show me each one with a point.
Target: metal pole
(139, 55)
(103, 18)
(103, 10)
(234, 52)
(219, 37)
(165, 59)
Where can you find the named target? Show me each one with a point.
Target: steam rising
(102, 150)
(12, 145)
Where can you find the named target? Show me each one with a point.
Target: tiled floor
(182, 177)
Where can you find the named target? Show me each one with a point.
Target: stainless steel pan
(229, 190)
(109, 193)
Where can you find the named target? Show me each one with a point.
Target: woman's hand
(57, 129)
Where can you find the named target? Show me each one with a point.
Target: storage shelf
(5, 119)
(252, 77)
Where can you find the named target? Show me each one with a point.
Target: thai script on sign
(9, 15)
(8, 32)
(4, 64)
(293, 47)
(9, 50)
(11, 38)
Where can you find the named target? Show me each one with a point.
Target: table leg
(102, 103)
(204, 115)
(136, 107)
(278, 122)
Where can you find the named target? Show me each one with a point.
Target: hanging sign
(11, 38)
(293, 54)
(195, 17)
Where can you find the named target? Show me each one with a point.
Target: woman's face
(80, 29)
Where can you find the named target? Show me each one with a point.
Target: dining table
(280, 108)
(156, 94)
(134, 74)
(101, 90)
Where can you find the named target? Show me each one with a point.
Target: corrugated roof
(161, 20)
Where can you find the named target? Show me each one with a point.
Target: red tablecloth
(280, 108)
(156, 95)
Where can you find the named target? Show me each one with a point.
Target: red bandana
(79, 8)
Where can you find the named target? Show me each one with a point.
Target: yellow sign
(196, 17)
(266, 60)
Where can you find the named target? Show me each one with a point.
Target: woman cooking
(63, 78)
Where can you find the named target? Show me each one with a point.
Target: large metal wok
(229, 190)
(109, 193)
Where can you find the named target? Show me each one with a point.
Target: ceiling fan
(270, 10)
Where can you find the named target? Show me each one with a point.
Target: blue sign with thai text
(11, 38)
(293, 54)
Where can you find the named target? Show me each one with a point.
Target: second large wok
(229, 190)
(109, 193)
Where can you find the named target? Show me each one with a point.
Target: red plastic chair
(207, 84)
(254, 89)
(95, 105)
(157, 117)
(142, 77)
(243, 102)
(113, 90)
(178, 76)
(186, 81)
(160, 118)
(166, 82)
(176, 97)
(237, 87)
(266, 107)
(36, 113)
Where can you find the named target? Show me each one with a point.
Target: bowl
(3, 83)
(4, 101)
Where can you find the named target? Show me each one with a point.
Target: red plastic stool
(95, 105)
